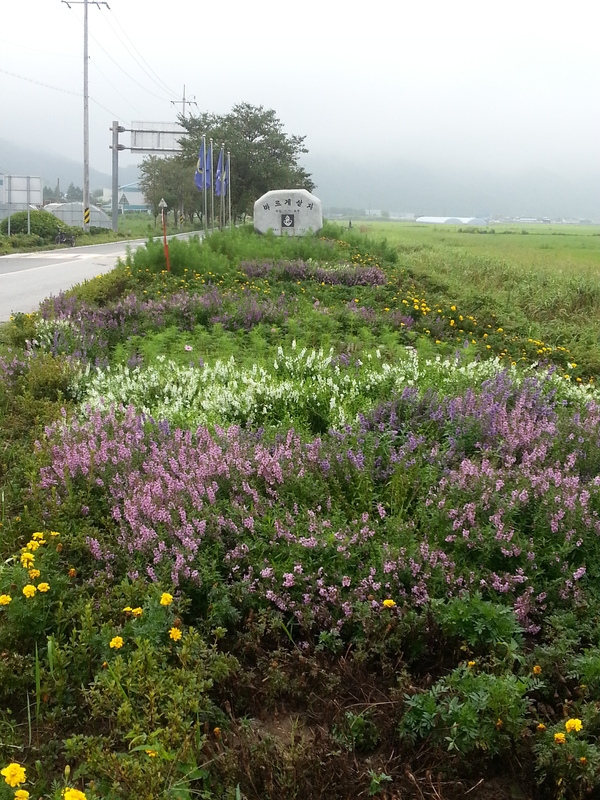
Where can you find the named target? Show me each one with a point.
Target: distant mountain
(389, 185)
(17, 160)
(405, 187)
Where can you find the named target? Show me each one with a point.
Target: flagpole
(228, 188)
(212, 188)
(204, 183)
(223, 187)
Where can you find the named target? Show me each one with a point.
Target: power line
(157, 82)
(39, 83)
(36, 50)
(58, 89)
(110, 83)
(124, 71)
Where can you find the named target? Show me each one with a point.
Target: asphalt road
(28, 278)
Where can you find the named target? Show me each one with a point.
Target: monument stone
(288, 212)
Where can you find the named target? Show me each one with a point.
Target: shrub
(41, 223)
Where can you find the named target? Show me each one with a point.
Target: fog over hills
(404, 187)
(393, 186)
(16, 160)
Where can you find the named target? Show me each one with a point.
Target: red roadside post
(162, 205)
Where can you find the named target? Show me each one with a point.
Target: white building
(477, 221)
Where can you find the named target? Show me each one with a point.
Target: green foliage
(49, 378)
(483, 625)
(357, 732)
(42, 224)
(20, 329)
(106, 288)
(469, 710)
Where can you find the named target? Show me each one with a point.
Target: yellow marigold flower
(559, 738)
(37, 535)
(5, 599)
(175, 634)
(43, 587)
(137, 612)
(541, 727)
(217, 732)
(127, 610)
(583, 761)
(14, 774)
(29, 590)
(54, 533)
(573, 725)
(166, 599)
(152, 753)
(27, 559)
(21, 794)
(32, 545)
(73, 794)
(471, 664)
(389, 603)
(34, 573)
(537, 670)
(499, 724)
(72, 572)
(116, 643)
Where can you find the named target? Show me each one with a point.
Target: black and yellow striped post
(86, 216)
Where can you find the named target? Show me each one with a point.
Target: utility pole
(183, 102)
(115, 147)
(86, 109)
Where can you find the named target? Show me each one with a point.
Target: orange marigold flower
(537, 670)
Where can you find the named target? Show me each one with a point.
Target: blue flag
(208, 167)
(221, 177)
(200, 168)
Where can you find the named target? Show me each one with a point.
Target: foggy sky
(502, 88)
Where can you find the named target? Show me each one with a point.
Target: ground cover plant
(303, 518)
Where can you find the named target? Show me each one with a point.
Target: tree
(74, 193)
(263, 157)
(52, 195)
(171, 179)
